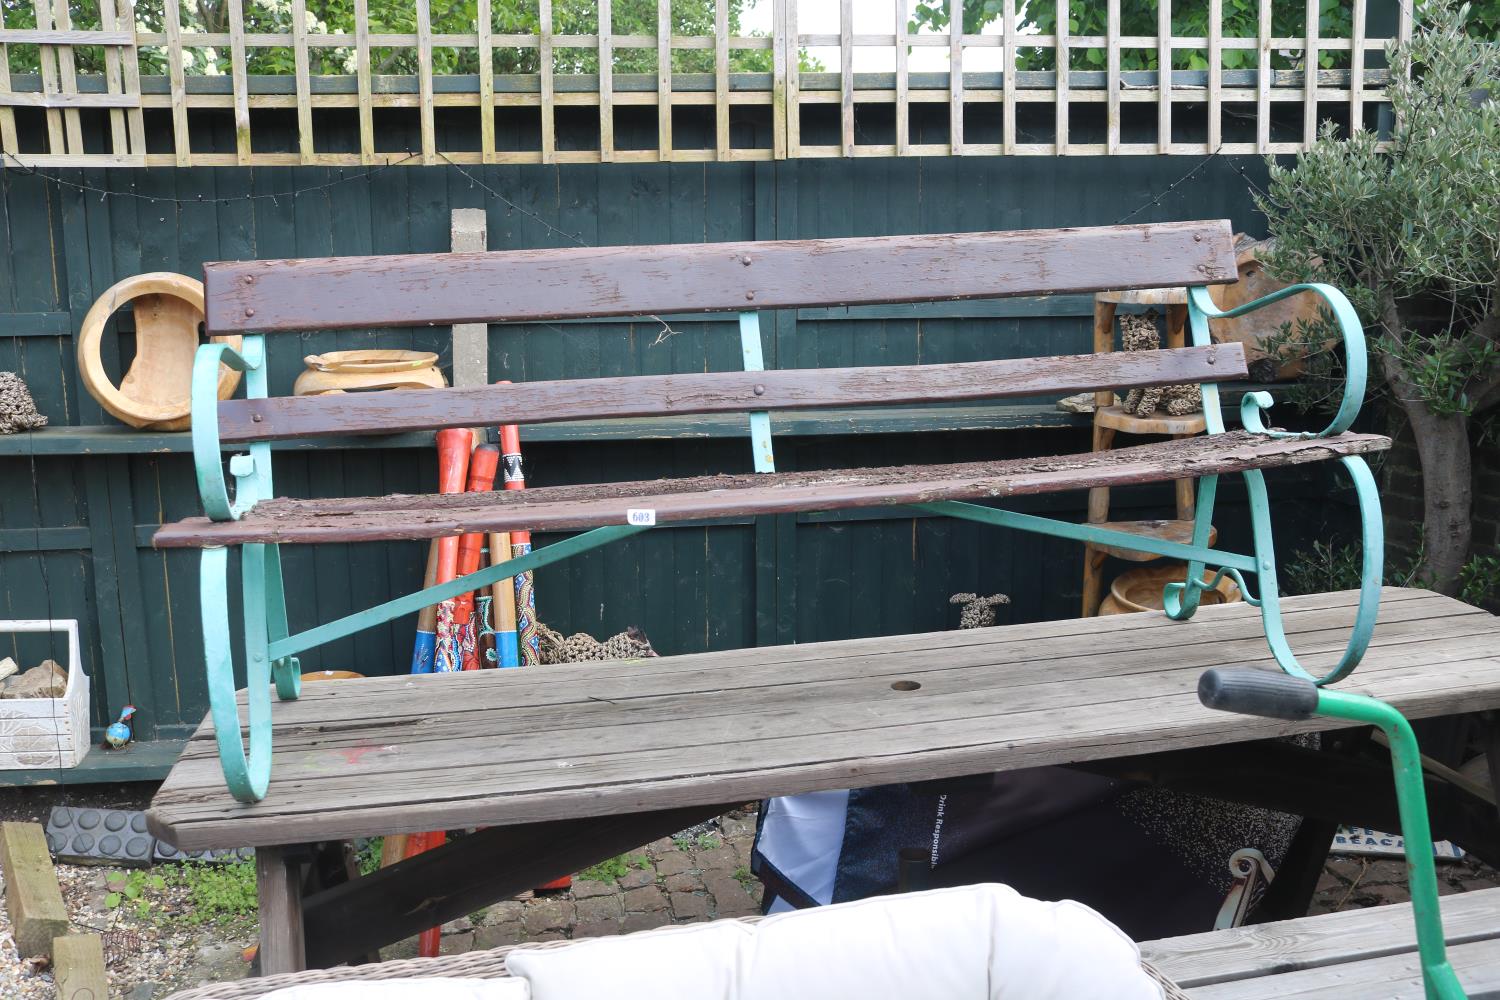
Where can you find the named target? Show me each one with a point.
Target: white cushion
(984, 942)
(408, 989)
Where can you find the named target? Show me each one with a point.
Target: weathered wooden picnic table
(567, 765)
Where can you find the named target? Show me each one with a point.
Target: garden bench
(498, 782)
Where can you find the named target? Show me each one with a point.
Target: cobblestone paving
(705, 874)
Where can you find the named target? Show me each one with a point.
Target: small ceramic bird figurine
(118, 733)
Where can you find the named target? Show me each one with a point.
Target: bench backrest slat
(520, 285)
(284, 417)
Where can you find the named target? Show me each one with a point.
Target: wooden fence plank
(47, 61)
(545, 83)
(955, 77)
(1112, 76)
(606, 81)
(362, 78)
(846, 76)
(8, 140)
(663, 79)
(1216, 74)
(903, 109)
(301, 72)
(1063, 60)
(239, 82)
(1310, 75)
(119, 143)
(67, 77)
(781, 68)
(1163, 76)
(721, 79)
(1357, 67)
(424, 79)
(1008, 84)
(135, 119)
(182, 146)
(1263, 80)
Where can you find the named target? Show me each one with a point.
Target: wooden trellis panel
(197, 68)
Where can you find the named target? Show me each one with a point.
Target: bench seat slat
(578, 507)
(393, 411)
(574, 283)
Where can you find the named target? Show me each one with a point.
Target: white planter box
(47, 732)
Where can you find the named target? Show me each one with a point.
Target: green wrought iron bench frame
(270, 650)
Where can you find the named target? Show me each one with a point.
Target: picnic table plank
(1395, 977)
(1326, 940)
(398, 754)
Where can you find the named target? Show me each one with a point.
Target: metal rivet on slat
(745, 260)
(750, 296)
(1197, 237)
(760, 390)
(256, 417)
(249, 312)
(249, 279)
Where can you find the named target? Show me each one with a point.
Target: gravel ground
(145, 958)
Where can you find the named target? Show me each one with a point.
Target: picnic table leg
(278, 884)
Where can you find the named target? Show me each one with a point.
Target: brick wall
(1401, 497)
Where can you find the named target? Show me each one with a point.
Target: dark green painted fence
(77, 508)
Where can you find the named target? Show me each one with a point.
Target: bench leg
(278, 884)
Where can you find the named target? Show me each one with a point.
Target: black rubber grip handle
(1258, 692)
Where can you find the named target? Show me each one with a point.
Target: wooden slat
(424, 79)
(721, 79)
(956, 77)
(1112, 75)
(182, 145)
(1064, 62)
(301, 72)
(664, 79)
(545, 82)
(1310, 75)
(1396, 977)
(1263, 80)
(515, 285)
(1357, 67)
(1164, 76)
(846, 76)
(8, 141)
(47, 62)
(363, 81)
(119, 142)
(782, 67)
(606, 83)
(903, 110)
(1216, 74)
(485, 747)
(291, 417)
(571, 508)
(1008, 82)
(135, 120)
(1328, 940)
(239, 82)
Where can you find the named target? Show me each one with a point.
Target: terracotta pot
(330, 675)
(355, 371)
(1141, 589)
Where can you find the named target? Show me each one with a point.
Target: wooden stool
(1110, 419)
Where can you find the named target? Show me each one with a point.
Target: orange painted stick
(482, 467)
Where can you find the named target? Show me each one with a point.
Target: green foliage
(517, 17)
(1327, 566)
(134, 891)
(614, 869)
(1241, 18)
(218, 893)
(744, 877)
(368, 857)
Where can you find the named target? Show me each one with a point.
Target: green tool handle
(1281, 696)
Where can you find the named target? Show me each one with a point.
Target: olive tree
(1410, 230)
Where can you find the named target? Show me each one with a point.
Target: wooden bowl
(156, 392)
(1141, 589)
(330, 675)
(354, 371)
